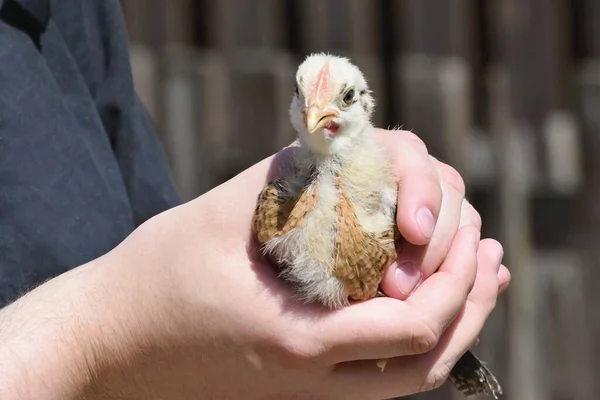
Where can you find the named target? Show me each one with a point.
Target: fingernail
(407, 277)
(426, 222)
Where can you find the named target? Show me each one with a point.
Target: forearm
(39, 353)
(68, 338)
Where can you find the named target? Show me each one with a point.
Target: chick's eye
(349, 97)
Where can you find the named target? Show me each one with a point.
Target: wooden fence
(507, 91)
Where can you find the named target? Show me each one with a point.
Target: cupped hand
(223, 324)
(431, 208)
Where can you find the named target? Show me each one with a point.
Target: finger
(417, 263)
(407, 375)
(419, 191)
(441, 297)
(503, 279)
(469, 215)
(465, 330)
(384, 327)
(455, 212)
(401, 278)
(495, 250)
(489, 259)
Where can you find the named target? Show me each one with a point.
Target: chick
(328, 219)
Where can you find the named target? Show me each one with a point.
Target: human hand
(431, 208)
(185, 306)
(230, 328)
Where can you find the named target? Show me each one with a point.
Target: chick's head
(332, 104)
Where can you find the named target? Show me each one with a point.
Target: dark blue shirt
(80, 163)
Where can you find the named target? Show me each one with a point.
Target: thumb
(399, 280)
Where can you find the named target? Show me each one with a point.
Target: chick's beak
(316, 117)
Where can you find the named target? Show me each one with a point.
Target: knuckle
(494, 252)
(492, 304)
(466, 277)
(465, 285)
(436, 378)
(470, 277)
(424, 183)
(424, 339)
(476, 218)
(432, 177)
(297, 352)
(427, 181)
(469, 286)
(416, 141)
(470, 216)
(499, 249)
(452, 178)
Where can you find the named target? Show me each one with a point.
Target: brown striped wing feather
(360, 258)
(276, 215)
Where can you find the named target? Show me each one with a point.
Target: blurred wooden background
(507, 91)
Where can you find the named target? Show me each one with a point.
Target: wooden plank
(262, 84)
(143, 67)
(561, 283)
(179, 21)
(436, 103)
(586, 210)
(479, 168)
(180, 122)
(531, 39)
(214, 125)
(563, 153)
(196, 90)
(246, 23)
(524, 375)
(137, 18)
(350, 26)
(525, 34)
(434, 73)
(146, 27)
(440, 27)
(588, 19)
